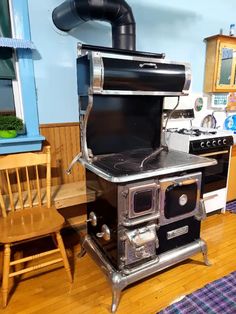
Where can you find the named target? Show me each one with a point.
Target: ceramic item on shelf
(230, 123)
(198, 105)
(209, 121)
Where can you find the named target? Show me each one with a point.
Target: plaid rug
(231, 207)
(217, 297)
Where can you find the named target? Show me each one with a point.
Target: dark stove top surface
(129, 163)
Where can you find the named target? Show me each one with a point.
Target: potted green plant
(10, 126)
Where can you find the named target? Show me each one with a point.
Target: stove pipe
(118, 13)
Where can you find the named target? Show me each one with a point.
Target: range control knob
(208, 143)
(214, 143)
(224, 141)
(105, 233)
(92, 219)
(219, 142)
(202, 144)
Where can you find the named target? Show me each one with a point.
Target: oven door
(216, 176)
(179, 197)
(137, 201)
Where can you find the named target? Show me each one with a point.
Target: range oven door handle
(210, 197)
(185, 182)
(148, 65)
(215, 153)
(189, 181)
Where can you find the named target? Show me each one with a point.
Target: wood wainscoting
(69, 192)
(64, 139)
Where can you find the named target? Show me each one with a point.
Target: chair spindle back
(20, 185)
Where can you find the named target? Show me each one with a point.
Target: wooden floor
(90, 293)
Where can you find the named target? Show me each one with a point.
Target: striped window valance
(16, 43)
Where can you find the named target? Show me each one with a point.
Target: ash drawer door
(129, 75)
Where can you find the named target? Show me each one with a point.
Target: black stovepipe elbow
(118, 13)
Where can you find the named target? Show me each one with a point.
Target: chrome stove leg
(81, 253)
(205, 254)
(118, 283)
(116, 293)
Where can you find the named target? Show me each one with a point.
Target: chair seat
(29, 223)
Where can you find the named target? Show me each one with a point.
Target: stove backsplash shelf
(121, 98)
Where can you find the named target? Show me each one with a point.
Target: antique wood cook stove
(148, 208)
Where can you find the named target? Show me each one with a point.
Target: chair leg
(6, 270)
(64, 255)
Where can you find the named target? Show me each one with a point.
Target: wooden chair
(30, 221)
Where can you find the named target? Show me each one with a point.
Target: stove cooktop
(198, 133)
(194, 132)
(126, 166)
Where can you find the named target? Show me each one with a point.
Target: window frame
(31, 140)
(16, 84)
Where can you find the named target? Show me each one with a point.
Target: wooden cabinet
(231, 193)
(220, 65)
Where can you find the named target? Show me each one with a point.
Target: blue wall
(176, 27)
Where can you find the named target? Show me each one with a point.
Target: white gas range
(197, 140)
(210, 143)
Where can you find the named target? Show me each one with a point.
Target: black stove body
(134, 222)
(147, 211)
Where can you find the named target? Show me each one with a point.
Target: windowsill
(21, 143)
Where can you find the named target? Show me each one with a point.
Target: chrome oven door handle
(148, 65)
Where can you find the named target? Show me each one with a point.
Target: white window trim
(16, 84)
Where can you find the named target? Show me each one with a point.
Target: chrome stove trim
(144, 93)
(136, 58)
(188, 76)
(121, 279)
(83, 131)
(96, 72)
(148, 174)
(177, 232)
(136, 221)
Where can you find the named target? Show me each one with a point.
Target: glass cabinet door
(227, 67)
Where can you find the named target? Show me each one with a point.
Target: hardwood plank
(90, 292)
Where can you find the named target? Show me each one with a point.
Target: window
(9, 92)
(7, 104)
(17, 87)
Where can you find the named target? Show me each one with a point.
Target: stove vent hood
(118, 13)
